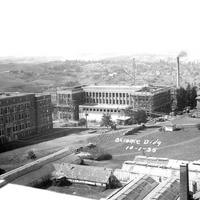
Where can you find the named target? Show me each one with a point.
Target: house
(91, 175)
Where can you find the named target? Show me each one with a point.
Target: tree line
(186, 97)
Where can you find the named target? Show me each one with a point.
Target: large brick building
(68, 101)
(23, 114)
(97, 99)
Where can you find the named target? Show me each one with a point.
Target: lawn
(182, 144)
(43, 146)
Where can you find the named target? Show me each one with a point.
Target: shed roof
(84, 173)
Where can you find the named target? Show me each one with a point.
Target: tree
(186, 97)
(82, 122)
(181, 96)
(193, 101)
(106, 120)
(129, 112)
(140, 116)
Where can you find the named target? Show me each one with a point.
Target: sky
(97, 28)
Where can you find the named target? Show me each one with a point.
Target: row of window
(21, 127)
(106, 101)
(44, 102)
(15, 100)
(106, 94)
(101, 110)
(16, 128)
(64, 96)
(19, 116)
(14, 108)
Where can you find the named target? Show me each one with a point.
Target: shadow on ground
(35, 139)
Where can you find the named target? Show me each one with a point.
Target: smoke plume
(182, 54)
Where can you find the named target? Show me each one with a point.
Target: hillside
(30, 75)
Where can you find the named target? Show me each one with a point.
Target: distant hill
(40, 74)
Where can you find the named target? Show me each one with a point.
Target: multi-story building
(23, 114)
(93, 100)
(43, 113)
(68, 101)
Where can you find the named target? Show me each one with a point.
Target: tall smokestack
(184, 182)
(178, 73)
(181, 54)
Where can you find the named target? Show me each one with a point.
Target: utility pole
(178, 73)
(134, 71)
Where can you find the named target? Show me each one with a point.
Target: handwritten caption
(134, 144)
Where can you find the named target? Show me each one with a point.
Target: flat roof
(5, 95)
(13, 191)
(104, 106)
(134, 89)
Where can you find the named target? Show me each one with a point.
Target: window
(6, 110)
(1, 132)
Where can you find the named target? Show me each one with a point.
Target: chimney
(184, 182)
(178, 73)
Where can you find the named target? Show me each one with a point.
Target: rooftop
(81, 172)
(5, 95)
(11, 191)
(109, 106)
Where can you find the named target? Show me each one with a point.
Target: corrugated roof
(142, 188)
(170, 191)
(84, 173)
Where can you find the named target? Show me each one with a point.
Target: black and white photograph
(100, 99)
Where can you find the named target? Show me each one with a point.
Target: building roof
(104, 106)
(13, 191)
(5, 95)
(169, 191)
(136, 190)
(143, 187)
(134, 89)
(84, 173)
